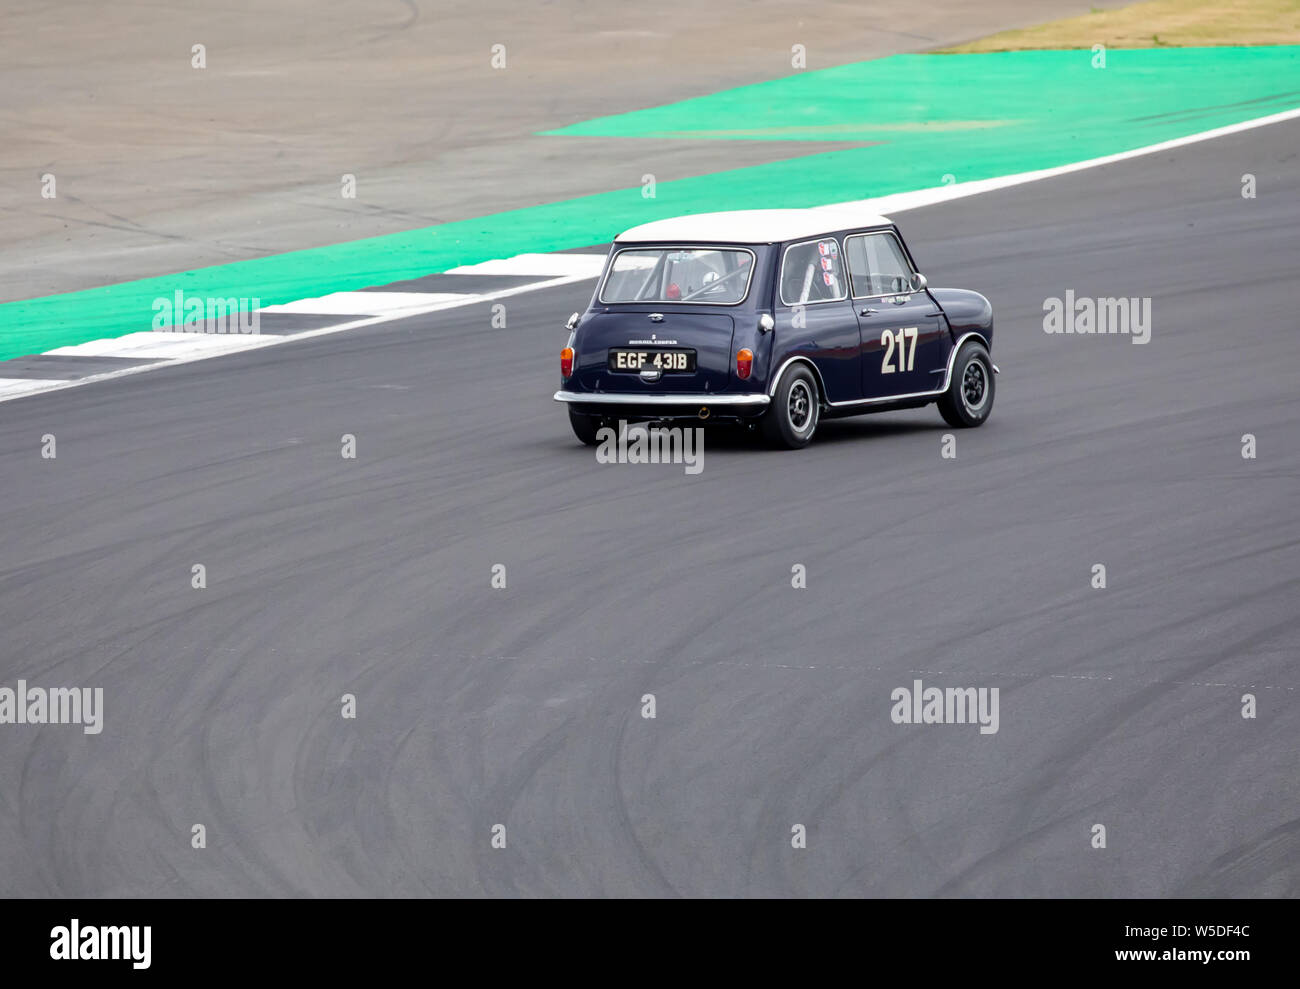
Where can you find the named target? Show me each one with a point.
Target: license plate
(654, 360)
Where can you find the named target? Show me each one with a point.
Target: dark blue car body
(865, 353)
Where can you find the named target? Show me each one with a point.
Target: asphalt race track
(479, 706)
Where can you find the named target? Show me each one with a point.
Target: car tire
(791, 417)
(969, 398)
(585, 427)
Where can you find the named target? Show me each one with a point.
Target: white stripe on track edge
(555, 265)
(160, 345)
(363, 303)
(21, 387)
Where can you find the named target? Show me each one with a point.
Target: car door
(815, 317)
(905, 340)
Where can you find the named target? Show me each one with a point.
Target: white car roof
(755, 226)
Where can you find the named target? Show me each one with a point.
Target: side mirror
(918, 282)
(573, 321)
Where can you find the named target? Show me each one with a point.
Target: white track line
(365, 303)
(18, 387)
(164, 346)
(586, 265)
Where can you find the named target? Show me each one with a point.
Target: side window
(877, 265)
(812, 272)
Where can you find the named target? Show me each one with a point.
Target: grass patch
(1157, 24)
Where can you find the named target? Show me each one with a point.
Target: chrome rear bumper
(659, 398)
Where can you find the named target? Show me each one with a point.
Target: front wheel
(791, 418)
(969, 398)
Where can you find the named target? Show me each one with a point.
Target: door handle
(867, 312)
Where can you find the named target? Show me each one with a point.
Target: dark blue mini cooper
(777, 318)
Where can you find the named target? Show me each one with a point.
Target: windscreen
(707, 276)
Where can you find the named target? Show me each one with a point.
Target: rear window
(706, 276)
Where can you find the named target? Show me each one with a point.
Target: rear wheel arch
(791, 419)
(775, 379)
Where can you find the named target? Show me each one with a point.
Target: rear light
(744, 363)
(566, 362)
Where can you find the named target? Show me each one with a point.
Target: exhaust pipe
(704, 411)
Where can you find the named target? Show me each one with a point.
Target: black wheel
(584, 427)
(791, 418)
(969, 398)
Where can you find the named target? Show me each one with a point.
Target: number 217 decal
(905, 342)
